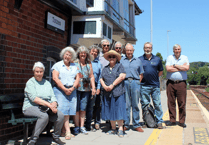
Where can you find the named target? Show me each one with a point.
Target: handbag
(46, 109)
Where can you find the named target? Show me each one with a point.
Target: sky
(187, 20)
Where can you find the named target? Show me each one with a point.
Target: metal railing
(117, 17)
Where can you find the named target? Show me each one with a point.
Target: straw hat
(112, 52)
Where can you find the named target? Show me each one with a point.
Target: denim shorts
(66, 103)
(82, 99)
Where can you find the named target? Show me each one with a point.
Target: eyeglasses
(147, 47)
(117, 47)
(113, 56)
(106, 45)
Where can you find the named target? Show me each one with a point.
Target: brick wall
(23, 41)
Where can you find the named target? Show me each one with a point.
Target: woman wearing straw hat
(113, 102)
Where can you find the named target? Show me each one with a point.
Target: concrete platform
(196, 133)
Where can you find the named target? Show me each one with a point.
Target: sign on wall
(55, 23)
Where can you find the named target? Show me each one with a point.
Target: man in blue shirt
(134, 74)
(150, 85)
(105, 48)
(177, 66)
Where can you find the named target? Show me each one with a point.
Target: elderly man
(177, 66)
(118, 47)
(105, 48)
(150, 85)
(134, 74)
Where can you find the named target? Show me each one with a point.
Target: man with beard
(177, 66)
(150, 85)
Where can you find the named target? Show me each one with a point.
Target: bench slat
(11, 106)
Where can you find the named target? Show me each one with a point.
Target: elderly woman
(85, 89)
(94, 100)
(38, 92)
(113, 101)
(65, 75)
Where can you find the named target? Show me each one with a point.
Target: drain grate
(201, 135)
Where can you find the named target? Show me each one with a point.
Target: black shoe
(58, 141)
(91, 129)
(183, 125)
(170, 123)
(32, 141)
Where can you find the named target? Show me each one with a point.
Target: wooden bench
(14, 102)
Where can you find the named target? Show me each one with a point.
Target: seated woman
(38, 91)
(113, 101)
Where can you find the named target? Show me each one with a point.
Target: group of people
(107, 82)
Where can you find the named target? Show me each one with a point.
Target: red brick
(3, 14)
(4, 9)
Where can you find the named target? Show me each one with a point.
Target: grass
(207, 89)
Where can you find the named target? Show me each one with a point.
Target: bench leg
(25, 133)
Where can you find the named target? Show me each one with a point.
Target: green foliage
(163, 62)
(198, 73)
(207, 89)
(198, 64)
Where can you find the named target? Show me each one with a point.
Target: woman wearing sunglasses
(113, 102)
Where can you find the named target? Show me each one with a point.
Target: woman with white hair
(38, 93)
(65, 75)
(85, 89)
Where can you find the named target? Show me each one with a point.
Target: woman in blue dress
(65, 75)
(86, 88)
(113, 102)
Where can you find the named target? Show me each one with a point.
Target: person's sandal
(120, 133)
(68, 136)
(112, 132)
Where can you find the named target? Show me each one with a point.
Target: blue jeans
(132, 100)
(89, 110)
(154, 92)
(82, 99)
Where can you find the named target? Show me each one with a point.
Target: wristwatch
(174, 65)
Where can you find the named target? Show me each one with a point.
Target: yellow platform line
(152, 140)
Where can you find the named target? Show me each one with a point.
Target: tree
(163, 62)
(203, 73)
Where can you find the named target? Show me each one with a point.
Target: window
(47, 73)
(107, 7)
(74, 1)
(90, 3)
(115, 5)
(104, 29)
(84, 27)
(109, 33)
(126, 14)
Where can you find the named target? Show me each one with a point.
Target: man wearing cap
(150, 85)
(177, 66)
(134, 74)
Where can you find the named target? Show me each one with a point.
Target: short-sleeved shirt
(97, 70)
(34, 88)
(180, 75)
(102, 60)
(109, 76)
(67, 77)
(151, 69)
(132, 67)
(84, 83)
